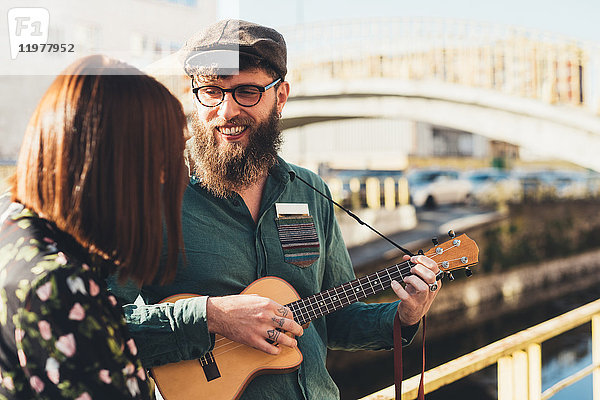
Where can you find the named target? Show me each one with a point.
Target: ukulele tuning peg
(450, 276)
(435, 241)
(421, 252)
(468, 272)
(451, 234)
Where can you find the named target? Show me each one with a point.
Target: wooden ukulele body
(237, 363)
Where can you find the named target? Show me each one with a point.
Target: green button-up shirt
(225, 251)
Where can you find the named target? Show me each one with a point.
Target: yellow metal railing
(387, 192)
(519, 361)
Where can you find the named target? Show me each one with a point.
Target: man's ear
(283, 91)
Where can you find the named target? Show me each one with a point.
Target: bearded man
(246, 217)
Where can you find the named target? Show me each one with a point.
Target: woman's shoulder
(38, 275)
(33, 257)
(31, 245)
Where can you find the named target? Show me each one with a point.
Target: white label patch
(289, 209)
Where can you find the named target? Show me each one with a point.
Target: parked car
(569, 184)
(432, 187)
(563, 184)
(593, 183)
(535, 185)
(492, 186)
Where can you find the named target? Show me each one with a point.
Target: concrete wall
(351, 144)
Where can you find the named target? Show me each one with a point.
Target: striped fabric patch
(299, 240)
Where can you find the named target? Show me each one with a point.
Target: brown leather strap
(421, 395)
(398, 360)
(398, 357)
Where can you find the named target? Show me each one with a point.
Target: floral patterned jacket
(62, 335)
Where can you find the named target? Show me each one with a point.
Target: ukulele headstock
(457, 253)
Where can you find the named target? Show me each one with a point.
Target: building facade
(139, 32)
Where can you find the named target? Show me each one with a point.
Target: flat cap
(220, 44)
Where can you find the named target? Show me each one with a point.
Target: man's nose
(228, 108)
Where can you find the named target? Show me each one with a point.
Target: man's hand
(416, 296)
(252, 320)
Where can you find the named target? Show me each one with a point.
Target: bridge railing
(515, 61)
(519, 361)
(370, 192)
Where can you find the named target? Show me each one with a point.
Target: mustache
(235, 121)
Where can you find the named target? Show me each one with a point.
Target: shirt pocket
(299, 240)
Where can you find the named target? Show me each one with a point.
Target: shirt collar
(281, 171)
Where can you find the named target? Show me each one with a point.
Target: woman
(100, 173)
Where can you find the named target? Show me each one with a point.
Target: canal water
(361, 373)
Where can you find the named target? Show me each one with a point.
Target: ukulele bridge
(209, 366)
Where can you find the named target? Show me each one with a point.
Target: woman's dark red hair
(102, 158)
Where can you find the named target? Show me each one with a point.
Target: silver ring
(433, 287)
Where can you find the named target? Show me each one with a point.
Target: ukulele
(224, 372)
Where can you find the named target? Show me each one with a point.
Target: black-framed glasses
(244, 95)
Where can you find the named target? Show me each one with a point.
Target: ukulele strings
(303, 310)
(222, 343)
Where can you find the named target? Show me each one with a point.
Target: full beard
(231, 167)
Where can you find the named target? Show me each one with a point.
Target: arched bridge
(533, 89)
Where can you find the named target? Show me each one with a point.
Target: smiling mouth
(232, 131)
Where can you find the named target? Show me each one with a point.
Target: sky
(578, 19)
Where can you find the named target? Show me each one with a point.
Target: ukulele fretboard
(336, 298)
